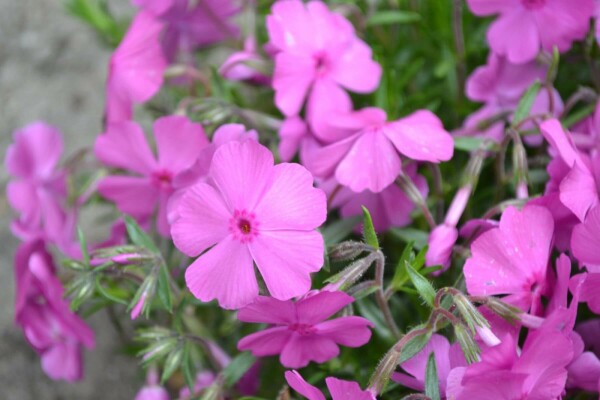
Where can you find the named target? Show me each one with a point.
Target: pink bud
(458, 205)
(139, 306)
(441, 242)
(125, 258)
(487, 336)
(531, 321)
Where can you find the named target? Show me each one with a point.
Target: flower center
(162, 179)
(533, 4)
(321, 63)
(302, 329)
(243, 226)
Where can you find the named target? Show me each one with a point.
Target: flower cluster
(235, 226)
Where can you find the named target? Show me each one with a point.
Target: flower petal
(178, 141)
(421, 136)
(124, 146)
(296, 382)
(347, 331)
(242, 172)
(342, 390)
(268, 342)
(320, 306)
(585, 241)
(225, 272)
(292, 78)
(302, 349)
(292, 203)
(515, 35)
(285, 259)
(203, 220)
(268, 310)
(372, 163)
(132, 195)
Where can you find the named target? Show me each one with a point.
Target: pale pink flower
(38, 188)
(136, 68)
(301, 332)
(524, 27)
(317, 53)
(367, 156)
(513, 258)
(251, 211)
(339, 389)
(47, 321)
(179, 143)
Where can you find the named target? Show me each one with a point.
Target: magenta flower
(45, 317)
(301, 333)
(389, 208)
(136, 68)
(37, 190)
(367, 158)
(339, 389)
(524, 27)
(253, 211)
(573, 175)
(447, 357)
(179, 143)
(152, 390)
(318, 51)
(513, 258)
(239, 67)
(585, 241)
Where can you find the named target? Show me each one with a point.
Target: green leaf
(414, 345)
(187, 366)
(400, 275)
(423, 286)
(96, 14)
(467, 143)
(336, 232)
(138, 236)
(392, 18)
(237, 368)
(83, 246)
(369, 230)
(172, 363)
(412, 235)
(432, 385)
(164, 289)
(526, 102)
(116, 295)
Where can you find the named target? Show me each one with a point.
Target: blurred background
(52, 68)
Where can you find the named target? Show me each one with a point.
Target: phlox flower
(339, 389)
(318, 54)
(37, 189)
(136, 68)
(512, 259)
(179, 143)
(45, 317)
(250, 211)
(365, 154)
(301, 332)
(152, 390)
(524, 27)
(585, 241)
(500, 84)
(447, 357)
(235, 67)
(575, 176)
(389, 208)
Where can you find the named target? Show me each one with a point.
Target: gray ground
(51, 68)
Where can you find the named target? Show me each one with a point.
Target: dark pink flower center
(243, 226)
(321, 63)
(162, 179)
(533, 4)
(302, 329)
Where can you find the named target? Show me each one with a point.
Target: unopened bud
(384, 371)
(467, 343)
(345, 278)
(487, 336)
(506, 311)
(531, 321)
(469, 313)
(347, 251)
(458, 205)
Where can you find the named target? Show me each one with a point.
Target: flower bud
(441, 242)
(346, 251)
(467, 343)
(487, 336)
(504, 310)
(384, 371)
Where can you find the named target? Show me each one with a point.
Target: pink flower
(136, 68)
(252, 211)
(37, 190)
(203, 380)
(178, 141)
(513, 258)
(300, 333)
(447, 357)
(389, 208)
(585, 241)
(367, 155)
(193, 24)
(45, 317)
(574, 176)
(526, 26)
(339, 389)
(152, 390)
(239, 65)
(318, 51)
